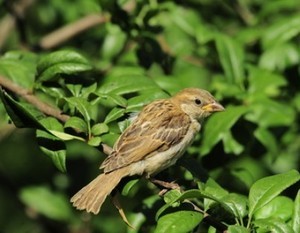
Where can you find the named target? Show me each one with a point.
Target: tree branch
(32, 99)
(66, 32)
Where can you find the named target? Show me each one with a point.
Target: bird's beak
(213, 107)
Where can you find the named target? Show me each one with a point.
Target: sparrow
(154, 141)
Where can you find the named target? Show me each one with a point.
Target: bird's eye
(198, 101)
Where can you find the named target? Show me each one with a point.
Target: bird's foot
(166, 185)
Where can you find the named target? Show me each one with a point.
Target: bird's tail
(92, 196)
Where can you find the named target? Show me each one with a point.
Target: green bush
(72, 72)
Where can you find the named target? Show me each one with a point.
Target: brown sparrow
(155, 140)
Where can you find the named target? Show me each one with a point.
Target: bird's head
(197, 103)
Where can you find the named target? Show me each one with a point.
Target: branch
(32, 99)
(42, 106)
(64, 33)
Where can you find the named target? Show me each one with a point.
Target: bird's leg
(166, 185)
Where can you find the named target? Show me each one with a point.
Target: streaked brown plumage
(154, 141)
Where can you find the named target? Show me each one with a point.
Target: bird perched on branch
(155, 140)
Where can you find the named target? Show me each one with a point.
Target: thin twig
(7, 25)
(68, 31)
(32, 99)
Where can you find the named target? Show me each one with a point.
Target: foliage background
(124, 55)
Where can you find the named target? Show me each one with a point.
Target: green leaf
(20, 67)
(266, 189)
(186, 20)
(51, 145)
(267, 139)
(95, 141)
(218, 125)
(23, 115)
(129, 185)
(214, 193)
(114, 114)
(296, 215)
(110, 138)
(281, 31)
(172, 195)
(269, 113)
(280, 57)
(55, 149)
(52, 205)
(110, 99)
(263, 82)
(114, 41)
(75, 89)
(82, 105)
(231, 145)
(99, 129)
(272, 225)
(125, 84)
(237, 203)
(178, 222)
(280, 207)
(192, 193)
(231, 56)
(117, 99)
(137, 102)
(78, 124)
(198, 194)
(237, 229)
(61, 62)
(87, 90)
(65, 136)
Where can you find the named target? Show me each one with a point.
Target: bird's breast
(165, 159)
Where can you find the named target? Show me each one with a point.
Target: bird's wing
(158, 127)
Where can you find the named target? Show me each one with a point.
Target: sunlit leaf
(136, 103)
(44, 201)
(281, 31)
(218, 125)
(231, 145)
(280, 207)
(272, 225)
(77, 124)
(231, 56)
(113, 42)
(267, 113)
(296, 214)
(280, 57)
(61, 62)
(114, 114)
(65, 136)
(51, 145)
(266, 189)
(178, 222)
(129, 185)
(99, 129)
(264, 82)
(94, 141)
(82, 105)
(237, 203)
(20, 67)
(124, 84)
(237, 229)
